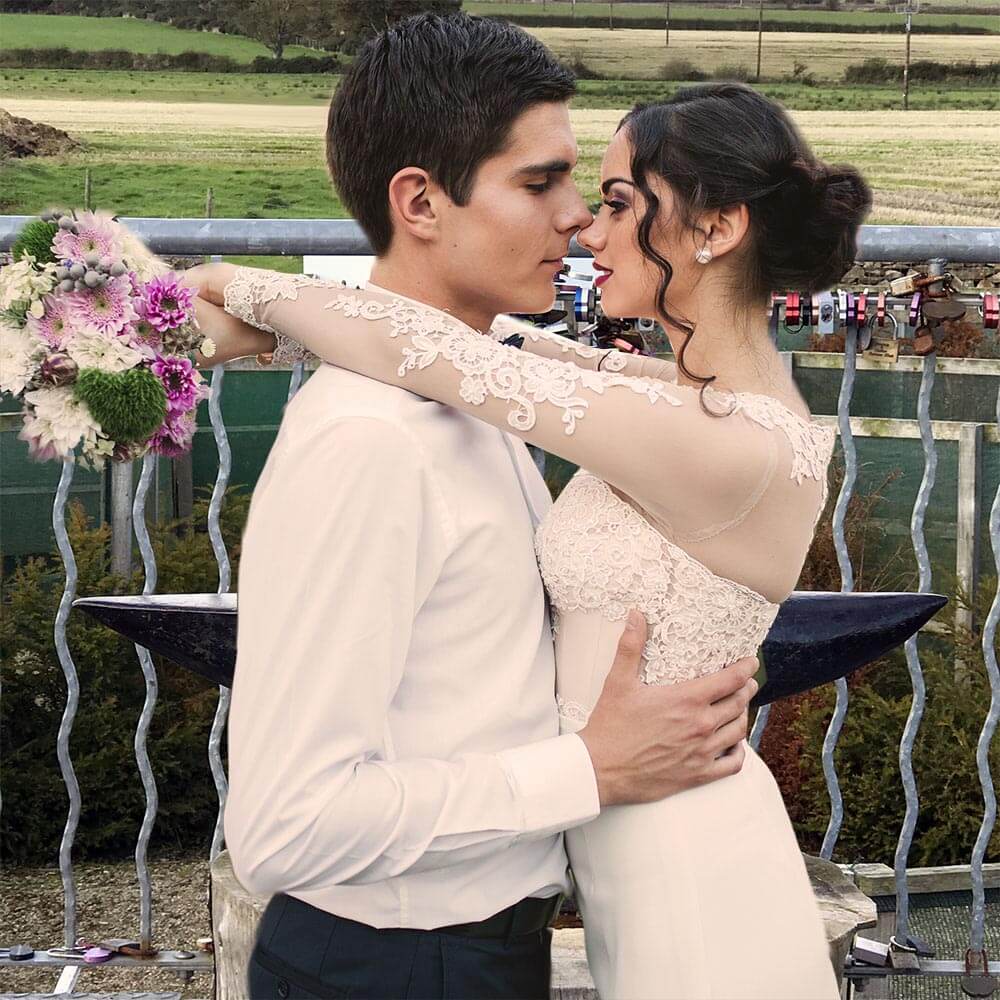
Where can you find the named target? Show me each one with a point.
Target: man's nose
(576, 215)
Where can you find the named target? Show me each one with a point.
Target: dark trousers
(302, 951)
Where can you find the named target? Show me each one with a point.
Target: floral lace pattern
(488, 371)
(597, 553)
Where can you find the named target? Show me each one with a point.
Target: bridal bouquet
(94, 336)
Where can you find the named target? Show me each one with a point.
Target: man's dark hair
(440, 93)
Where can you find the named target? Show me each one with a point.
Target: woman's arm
(650, 439)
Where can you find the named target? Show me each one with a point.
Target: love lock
(923, 341)
(940, 310)
(977, 984)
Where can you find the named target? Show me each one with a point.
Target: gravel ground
(107, 905)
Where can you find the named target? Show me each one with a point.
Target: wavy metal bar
(222, 559)
(978, 915)
(295, 380)
(148, 706)
(72, 700)
(912, 656)
(846, 585)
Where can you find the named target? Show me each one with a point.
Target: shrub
(580, 69)
(732, 71)
(681, 69)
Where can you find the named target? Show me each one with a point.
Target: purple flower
(107, 310)
(184, 385)
(166, 302)
(174, 436)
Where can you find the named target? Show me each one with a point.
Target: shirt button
(282, 988)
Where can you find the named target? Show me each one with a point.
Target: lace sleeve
(553, 345)
(649, 438)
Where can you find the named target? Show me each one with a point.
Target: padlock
(862, 307)
(826, 314)
(793, 312)
(870, 952)
(991, 311)
(880, 309)
(851, 312)
(980, 983)
(923, 341)
(807, 310)
(941, 309)
(905, 285)
(915, 304)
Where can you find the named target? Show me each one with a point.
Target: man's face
(503, 249)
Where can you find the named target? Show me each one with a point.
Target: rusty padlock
(940, 310)
(905, 285)
(981, 983)
(923, 341)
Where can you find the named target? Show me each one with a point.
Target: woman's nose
(592, 237)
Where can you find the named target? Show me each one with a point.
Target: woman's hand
(210, 280)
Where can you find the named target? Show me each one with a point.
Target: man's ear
(412, 203)
(723, 229)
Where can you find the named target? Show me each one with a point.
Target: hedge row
(879, 70)
(194, 62)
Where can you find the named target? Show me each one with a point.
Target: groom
(397, 777)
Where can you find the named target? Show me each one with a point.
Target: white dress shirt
(394, 747)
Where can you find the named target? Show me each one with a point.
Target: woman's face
(629, 288)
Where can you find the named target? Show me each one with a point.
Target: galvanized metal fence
(339, 237)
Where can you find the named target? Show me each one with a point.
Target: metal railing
(338, 237)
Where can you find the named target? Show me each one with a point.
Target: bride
(697, 497)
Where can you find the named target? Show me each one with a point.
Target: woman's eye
(539, 188)
(614, 205)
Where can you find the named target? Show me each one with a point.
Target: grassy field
(266, 161)
(31, 31)
(623, 12)
(633, 52)
(315, 90)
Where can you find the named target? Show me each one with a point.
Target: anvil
(816, 637)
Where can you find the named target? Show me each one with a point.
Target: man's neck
(395, 276)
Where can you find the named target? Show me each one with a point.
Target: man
(397, 779)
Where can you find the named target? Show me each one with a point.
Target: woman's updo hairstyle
(724, 144)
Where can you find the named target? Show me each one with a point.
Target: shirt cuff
(555, 784)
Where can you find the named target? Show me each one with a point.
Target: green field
(315, 89)
(624, 12)
(42, 31)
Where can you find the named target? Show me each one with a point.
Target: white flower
(22, 281)
(19, 354)
(90, 349)
(137, 256)
(56, 421)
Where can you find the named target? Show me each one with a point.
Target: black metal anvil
(816, 637)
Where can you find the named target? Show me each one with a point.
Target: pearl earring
(704, 254)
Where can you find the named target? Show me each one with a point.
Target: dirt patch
(21, 137)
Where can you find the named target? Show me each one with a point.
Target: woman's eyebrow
(615, 180)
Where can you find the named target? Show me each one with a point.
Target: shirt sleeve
(649, 438)
(345, 539)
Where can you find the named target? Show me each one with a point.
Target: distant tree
(359, 20)
(279, 23)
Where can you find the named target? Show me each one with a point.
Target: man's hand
(648, 741)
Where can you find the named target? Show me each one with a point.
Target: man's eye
(615, 205)
(539, 188)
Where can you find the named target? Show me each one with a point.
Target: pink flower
(97, 235)
(54, 327)
(184, 385)
(175, 435)
(166, 302)
(106, 310)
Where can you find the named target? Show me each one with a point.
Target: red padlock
(792, 309)
(991, 312)
(862, 309)
(880, 309)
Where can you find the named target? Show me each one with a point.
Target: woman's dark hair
(436, 92)
(724, 144)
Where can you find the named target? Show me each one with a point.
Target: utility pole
(611, 15)
(666, 42)
(760, 34)
(909, 10)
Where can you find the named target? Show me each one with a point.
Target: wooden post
(970, 476)
(666, 43)
(906, 64)
(760, 34)
(611, 15)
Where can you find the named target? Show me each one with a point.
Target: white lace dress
(702, 523)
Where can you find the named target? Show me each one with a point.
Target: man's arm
(345, 539)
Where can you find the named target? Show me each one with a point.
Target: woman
(695, 505)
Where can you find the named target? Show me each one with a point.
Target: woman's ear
(411, 203)
(723, 229)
